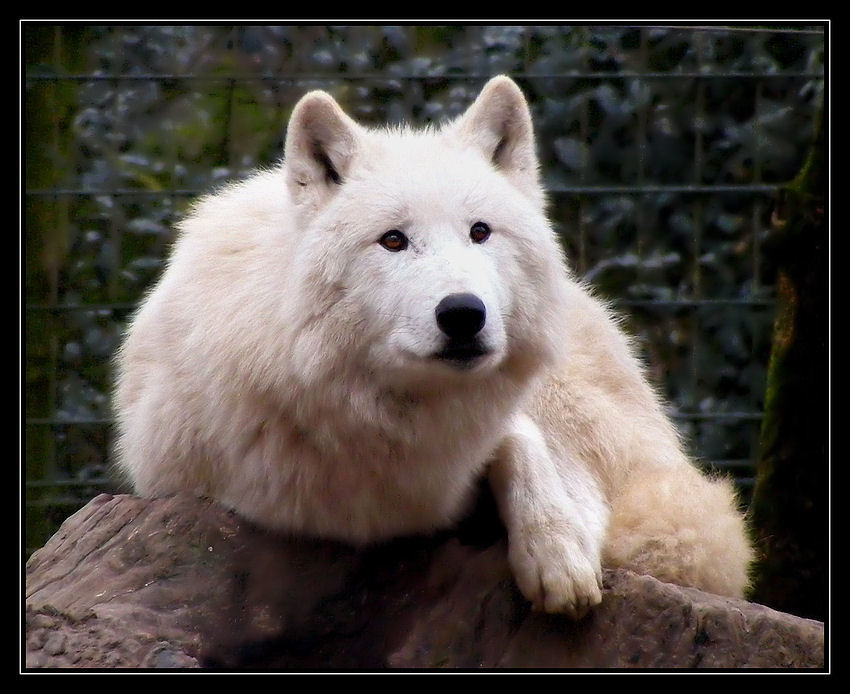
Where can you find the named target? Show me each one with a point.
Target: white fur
(284, 364)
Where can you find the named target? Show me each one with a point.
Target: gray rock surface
(181, 582)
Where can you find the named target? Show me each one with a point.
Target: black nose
(461, 316)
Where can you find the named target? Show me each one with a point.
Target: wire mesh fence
(661, 147)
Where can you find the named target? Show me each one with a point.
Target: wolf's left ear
(499, 124)
(321, 143)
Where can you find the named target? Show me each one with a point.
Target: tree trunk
(790, 505)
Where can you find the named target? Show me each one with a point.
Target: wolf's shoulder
(262, 191)
(242, 211)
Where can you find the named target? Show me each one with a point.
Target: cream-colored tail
(682, 527)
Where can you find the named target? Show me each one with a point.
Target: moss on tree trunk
(789, 507)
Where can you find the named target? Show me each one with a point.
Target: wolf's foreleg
(556, 518)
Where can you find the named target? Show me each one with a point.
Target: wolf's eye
(393, 241)
(479, 232)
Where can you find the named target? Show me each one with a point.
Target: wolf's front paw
(554, 570)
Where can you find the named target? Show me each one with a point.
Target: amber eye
(393, 241)
(479, 232)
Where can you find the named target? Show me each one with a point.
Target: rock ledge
(181, 582)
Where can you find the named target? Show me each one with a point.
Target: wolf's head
(427, 253)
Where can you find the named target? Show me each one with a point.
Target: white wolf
(341, 346)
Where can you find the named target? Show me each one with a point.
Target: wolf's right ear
(321, 142)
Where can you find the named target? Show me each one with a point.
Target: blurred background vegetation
(662, 148)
